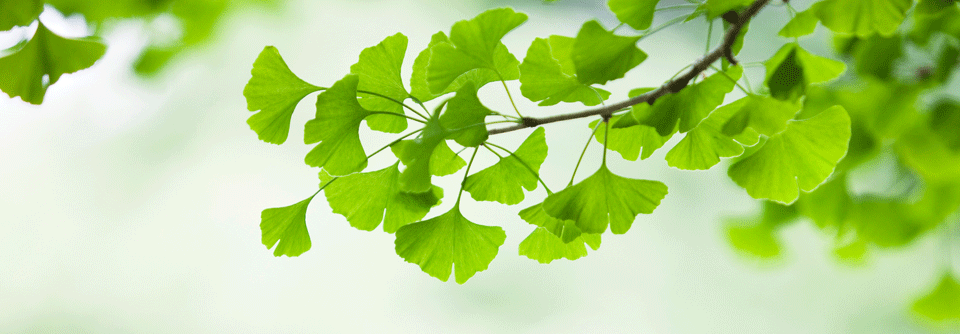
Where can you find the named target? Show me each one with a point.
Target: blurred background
(130, 203)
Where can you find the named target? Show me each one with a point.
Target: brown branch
(670, 87)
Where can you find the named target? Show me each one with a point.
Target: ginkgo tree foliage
(793, 141)
(38, 62)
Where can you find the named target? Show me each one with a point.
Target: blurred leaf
(41, 62)
(792, 68)
(719, 7)
(862, 17)
(275, 91)
(943, 303)
(877, 55)
(801, 25)
(765, 115)
(20, 13)
(447, 240)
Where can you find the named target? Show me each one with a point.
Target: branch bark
(670, 87)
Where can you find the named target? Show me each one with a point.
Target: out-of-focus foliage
(47, 56)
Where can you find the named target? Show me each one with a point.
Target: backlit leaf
(425, 156)
(690, 105)
(943, 303)
(379, 71)
(799, 158)
(336, 127)
(288, 226)
(547, 74)
(465, 116)
(703, 146)
(605, 199)
(275, 91)
(449, 240)
(19, 13)
(765, 115)
(636, 13)
(504, 181)
(600, 56)
(862, 17)
(505, 63)
(544, 247)
(792, 68)
(364, 197)
(801, 25)
(48, 56)
(630, 141)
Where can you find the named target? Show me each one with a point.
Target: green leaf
(928, 22)
(505, 63)
(504, 181)
(19, 13)
(275, 91)
(792, 68)
(449, 240)
(605, 199)
(45, 55)
(944, 122)
(630, 141)
(756, 240)
(567, 230)
(829, 205)
(474, 44)
(802, 156)
(943, 303)
(862, 17)
(379, 71)
(465, 116)
(887, 223)
(690, 105)
(801, 25)
(703, 146)
(925, 152)
(600, 56)
(547, 74)
(288, 225)
(877, 56)
(425, 156)
(765, 115)
(544, 247)
(636, 13)
(364, 197)
(336, 127)
(718, 7)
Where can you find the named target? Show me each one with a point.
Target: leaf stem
(676, 7)
(735, 82)
(589, 139)
(510, 96)
(665, 25)
(394, 142)
(465, 174)
(396, 114)
(524, 163)
(709, 35)
(667, 88)
(606, 136)
(393, 100)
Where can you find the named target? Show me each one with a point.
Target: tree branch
(672, 86)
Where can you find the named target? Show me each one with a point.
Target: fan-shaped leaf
(792, 68)
(862, 17)
(636, 13)
(547, 74)
(19, 13)
(364, 197)
(336, 127)
(379, 71)
(504, 181)
(600, 56)
(275, 91)
(288, 226)
(703, 147)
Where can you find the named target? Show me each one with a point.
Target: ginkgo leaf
(40, 62)
(630, 141)
(703, 146)
(756, 240)
(473, 44)
(547, 74)
(719, 7)
(504, 181)
(605, 199)
(505, 63)
(943, 303)
(544, 247)
(364, 197)
(765, 115)
(862, 17)
(449, 240)
(877, 56)
(19, 13)
(792, 68)
(829, 205)
(275, 91)
(288, 226)
(336, 127)
(638, 14)
(425, 156)
(379, 71)
(566, 230)
(799, 158)
(801, 25)
(600, 56)
(464, 117)
(690, 105)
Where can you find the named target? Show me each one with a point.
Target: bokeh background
(131, 204)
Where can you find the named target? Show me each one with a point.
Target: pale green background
(131, 205)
